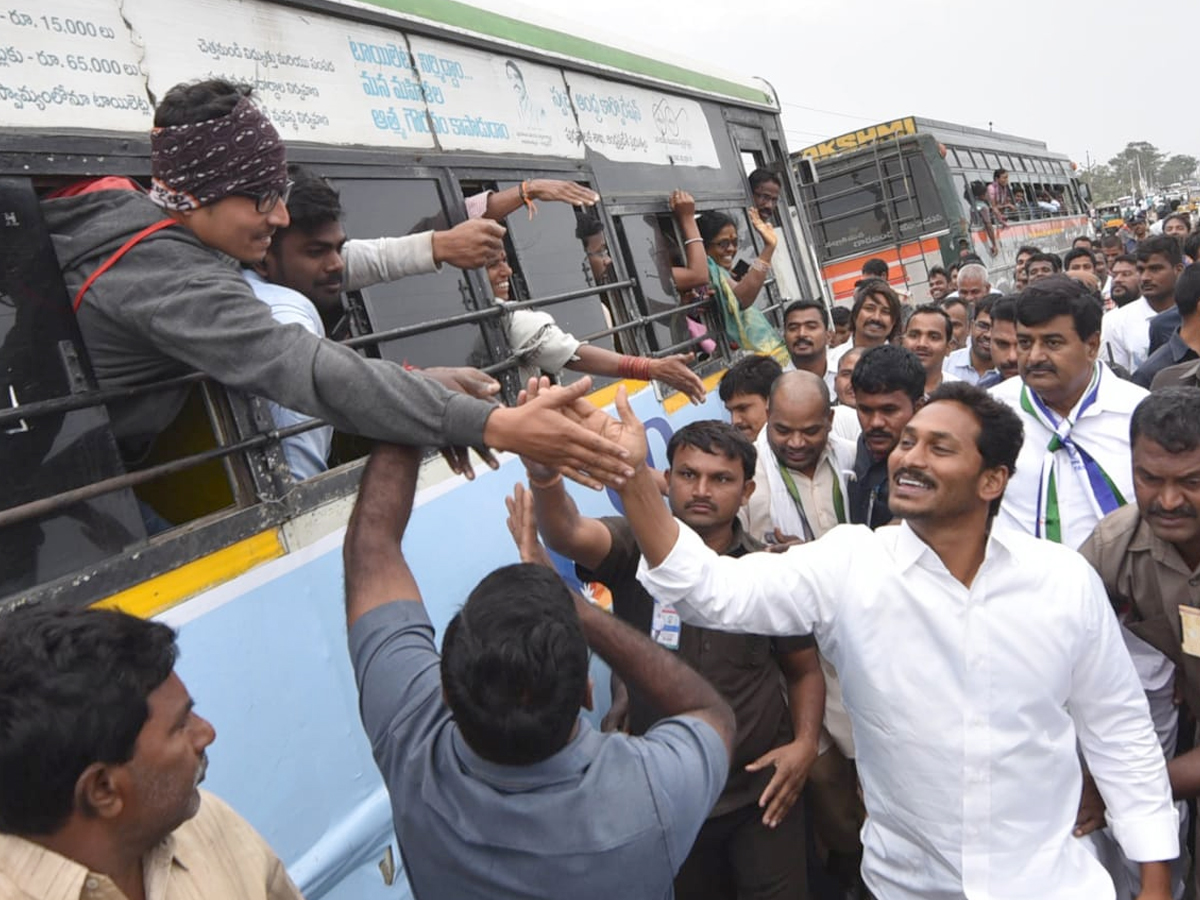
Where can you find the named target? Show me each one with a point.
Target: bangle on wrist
(635, 367)
(760, 265)
(549, 483)
(695, 240)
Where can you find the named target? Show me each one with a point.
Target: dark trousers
(837, 816)
(737, 857)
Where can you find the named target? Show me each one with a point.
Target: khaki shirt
(1147, 578)
(215, 854)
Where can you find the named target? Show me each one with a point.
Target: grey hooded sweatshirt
(172, 305)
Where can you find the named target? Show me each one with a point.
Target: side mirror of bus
(806, 171)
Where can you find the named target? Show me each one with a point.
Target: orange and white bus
(899, 191)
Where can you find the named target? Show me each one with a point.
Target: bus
(406, 106)
(900, 191)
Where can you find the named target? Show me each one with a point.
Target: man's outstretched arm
(376, 571)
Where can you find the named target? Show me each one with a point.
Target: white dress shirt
(830, 370)
(959, 365)
(1125, 334)
(967, 703)
(1102, 430)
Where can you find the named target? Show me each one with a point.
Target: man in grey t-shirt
(499, 788)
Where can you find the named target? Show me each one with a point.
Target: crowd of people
(918, 621)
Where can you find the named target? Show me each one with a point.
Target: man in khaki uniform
(101, 758)
(1148, 555)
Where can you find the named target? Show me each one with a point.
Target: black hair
(1082, 237)
(798, 305)
(888, 368)
(1051, 258)
(715, 437)
(840, 315)
(1170, 417)
(1004, 309)
(749, 375)
(1125, 258)
(1187, 291)
(971, 258)
(711, 222)
(312, 204)
(1001, 433)
(978, 189)
(870, 287)
(953, 267)
(1028, 248)
(1182, 217)
(1160, 245)
(1058, 295)
(515, 665)
(1078, 253)
(759, 176)
(1110, 240)
(1191, 246)
(938, 270)
(997, 173)
(947, 302)
(932, 309)
(74, 685)
(875, 268)
(587, 223)
(199, 101)
(983, 306)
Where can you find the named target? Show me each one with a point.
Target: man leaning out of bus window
(170, 303)
(101, 759)
(499, 787)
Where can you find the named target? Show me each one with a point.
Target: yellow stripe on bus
(677, 401)
(156, 595)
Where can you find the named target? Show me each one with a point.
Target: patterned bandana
(203, 162)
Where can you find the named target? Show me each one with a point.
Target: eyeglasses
(725, 244)
(270, 198)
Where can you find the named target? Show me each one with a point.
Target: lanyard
(839, 503)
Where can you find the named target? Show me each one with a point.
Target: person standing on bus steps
(956, 643)
(752, 845)
(499, 787)
(1000, 197)
(169, 304)
(101, 759)
(981, 213)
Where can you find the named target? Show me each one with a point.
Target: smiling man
(928, 336)
(974, 361)
(976, 663)
(101, 758)
(874, 319)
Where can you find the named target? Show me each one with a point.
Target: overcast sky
(1086, 78)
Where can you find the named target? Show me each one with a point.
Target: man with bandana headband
(156, 297)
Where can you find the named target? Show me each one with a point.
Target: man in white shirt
(800, 476)
(806, 332)
(974, 361)
(974, 661)
(927, 335)
(1074, 467)
(1126, 330)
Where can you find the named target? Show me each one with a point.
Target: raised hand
(473, 383)
(469, 245)
(562, 192)
(682, 203)
(522, 525)
(547, 430)
(765, 229)
(626, 432)
(673, 370)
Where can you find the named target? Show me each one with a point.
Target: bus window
(993, 161)
(552, 257)
(375, 208)
(848, 213)
(1006, 162)
(953, 158)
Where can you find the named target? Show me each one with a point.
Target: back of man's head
(1187, 291)
(1058, 295)
(74, 685)
(875, 268)
(515, 666)
(888, 368)
(749, 375)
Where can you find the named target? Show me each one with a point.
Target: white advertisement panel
(631, 124)
(494, 103)
(70, 64)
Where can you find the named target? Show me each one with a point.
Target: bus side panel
(266, 660)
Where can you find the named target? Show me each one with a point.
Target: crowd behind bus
(916, 621)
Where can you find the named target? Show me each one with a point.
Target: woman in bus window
(746, 326)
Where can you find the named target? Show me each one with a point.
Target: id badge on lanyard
(664, 627)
